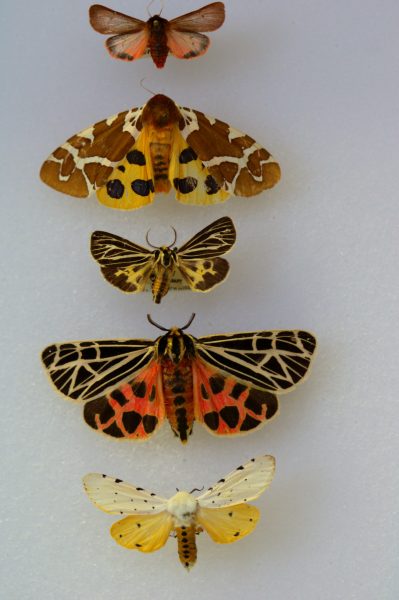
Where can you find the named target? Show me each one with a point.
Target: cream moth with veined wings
(222, 511)
(227, 382)
(196, 265)
(132, 38)
(130, 156)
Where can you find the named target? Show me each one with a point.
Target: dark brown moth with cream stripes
(197, 265)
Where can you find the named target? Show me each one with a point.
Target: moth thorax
(156, 23)
(160, 112)
(165, 256)
(175, 345)
(183, 508)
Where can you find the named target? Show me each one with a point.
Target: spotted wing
(229, 524)
(116, 497)
(198, 259)
(232, 162)
(129, 46)
(244, 484)
(146, 533)
(182, 34)
(86, 161)
(131, 183)
(119, 380)
(273, 361)
(192, 181)
(125, 265)
(225, 405)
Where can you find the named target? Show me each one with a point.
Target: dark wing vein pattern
(273, 361)
(87, 370)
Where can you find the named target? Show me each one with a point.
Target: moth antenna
(174, 241)
(189, 323)
(148, 241)
(145, 88)
(156, 324)
(148, 8)
(196, 490)
(164, 328)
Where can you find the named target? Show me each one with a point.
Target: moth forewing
(244, 484)
(115, 496)
(274, 361)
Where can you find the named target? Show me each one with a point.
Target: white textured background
(316, 82)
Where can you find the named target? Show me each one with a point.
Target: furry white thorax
(183, 507)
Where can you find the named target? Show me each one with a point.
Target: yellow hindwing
(228, 524)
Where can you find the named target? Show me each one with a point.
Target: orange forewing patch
(228, 406)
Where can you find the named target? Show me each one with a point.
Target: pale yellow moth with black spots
(222, 511)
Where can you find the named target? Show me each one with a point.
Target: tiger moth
(132, 38)
(129, 157)
(196, 265)
(227, 382)
(149, 520)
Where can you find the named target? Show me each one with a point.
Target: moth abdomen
(186, 546)
(178, 396)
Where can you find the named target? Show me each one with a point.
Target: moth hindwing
(196, 265)
(129, 157)
(222, 511)
(229, 382)
(133, 38)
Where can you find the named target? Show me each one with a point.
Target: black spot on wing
(131, 420)
(217, 384)
(119, 397)
(142, 187)
(211, 185)
(249, 423)
(185, 185)
(149, 423)
(187, 155)
(113, 430)
(135, 157)
(139, 389)
(115, 189)
(211, 420)
(204, 393)
(230, 415)
(237, 390)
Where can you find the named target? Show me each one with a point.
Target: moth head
(165, 255)
(156, 23)
(160, 111)
(183, 507)
(175, 344)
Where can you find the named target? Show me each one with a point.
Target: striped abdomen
(178, 396)
(160, 149)
(161, 283)
(186, 545)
